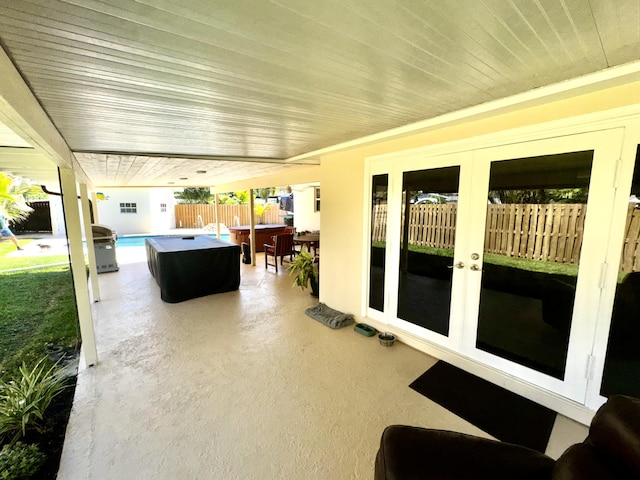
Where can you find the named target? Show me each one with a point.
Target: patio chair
(282, 246)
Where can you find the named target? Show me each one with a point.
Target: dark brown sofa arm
(412, 453)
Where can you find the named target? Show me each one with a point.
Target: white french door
(497, 253)
(413, 283)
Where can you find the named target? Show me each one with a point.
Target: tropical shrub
(260, 209)
(195, 195)
(23, 402)
(20, 461)
(14, 193)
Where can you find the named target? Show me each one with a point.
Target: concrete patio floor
(240, 385)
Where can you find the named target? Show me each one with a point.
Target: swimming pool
(138, 240)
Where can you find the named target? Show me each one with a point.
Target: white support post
(74, 235)
(252, 225)
(217, 215)
(88, 233)
(94, 201)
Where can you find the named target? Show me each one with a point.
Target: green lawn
(511, 262)
(39, 311)
(519, 263)
(22, 261)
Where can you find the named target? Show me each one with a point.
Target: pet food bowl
(364, 329)
(386, 339)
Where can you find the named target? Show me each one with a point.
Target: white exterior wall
(126, 223)
(162, 221)
(305, 218)
(149, 217)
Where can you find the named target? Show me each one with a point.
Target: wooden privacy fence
(430, 226)
(194, 216)
(631, 247)
(551, 232)
(379, 223)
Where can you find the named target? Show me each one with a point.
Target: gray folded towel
(330, 317)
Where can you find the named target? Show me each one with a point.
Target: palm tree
(14, 192)
(197, 195)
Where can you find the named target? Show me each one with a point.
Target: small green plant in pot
(303, 267)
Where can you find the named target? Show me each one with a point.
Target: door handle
(475, 268)
(457, 265)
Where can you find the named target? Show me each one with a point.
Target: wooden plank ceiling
(138, 87)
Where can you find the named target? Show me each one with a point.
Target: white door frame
(623, 177)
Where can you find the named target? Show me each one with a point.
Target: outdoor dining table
(311, 240)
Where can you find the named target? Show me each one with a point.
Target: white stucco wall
(162, 221)
(126, 223)
(149, 217)
(305, 218)
(341, 238)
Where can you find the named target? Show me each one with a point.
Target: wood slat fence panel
(379, 223)
(196, 216)
(631, 247)
(552, 232)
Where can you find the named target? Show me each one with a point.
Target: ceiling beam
(22, 113)
(185, 156)
(304, 175)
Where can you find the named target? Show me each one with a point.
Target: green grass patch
(532, 265)
(511, 262)
(503, 260)
(39, 315)
(23, 261)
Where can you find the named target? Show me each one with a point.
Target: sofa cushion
(583, 462)
(412, 453)
(615, 432)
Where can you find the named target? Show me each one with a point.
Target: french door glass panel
(378, 245)
(427, 241)
(533, 236)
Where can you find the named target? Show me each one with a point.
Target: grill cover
(103, 234)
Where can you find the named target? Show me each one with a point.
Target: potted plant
(303, 267)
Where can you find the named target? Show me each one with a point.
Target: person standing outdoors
(5, 232)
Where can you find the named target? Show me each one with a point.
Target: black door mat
(495, 410)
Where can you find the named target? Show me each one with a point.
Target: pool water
(138, 240)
